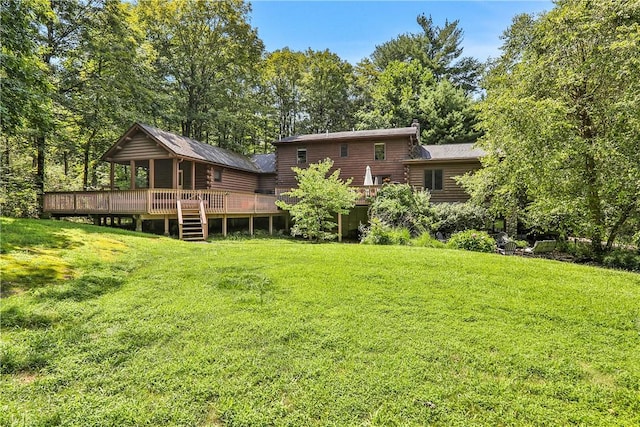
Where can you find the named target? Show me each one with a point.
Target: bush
(451, 218)
(472, 240)
(381, 233)
(623, 259)
(399, 206)
(426, 241)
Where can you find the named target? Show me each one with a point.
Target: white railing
(157, 202)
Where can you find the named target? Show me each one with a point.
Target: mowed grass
(115, 328)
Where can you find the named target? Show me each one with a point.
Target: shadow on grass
(16, 317)
(24, 275)
(84, 288)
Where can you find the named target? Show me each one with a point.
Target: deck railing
(365, 194)
(156, 202)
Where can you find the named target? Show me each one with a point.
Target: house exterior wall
(360, 154)
(451, 191)
(267, 183)
(140, 147)
(232, 180)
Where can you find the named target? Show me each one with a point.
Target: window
(217, 175)
(302, 155)
(381, 179)
(379, 151)
(433, 179)
(344, 150)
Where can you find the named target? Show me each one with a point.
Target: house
(175, 178)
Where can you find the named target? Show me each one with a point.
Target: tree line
(557, 112)
(77, 73)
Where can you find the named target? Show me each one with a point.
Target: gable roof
(266, 163)
(465, 151)
(351, 135)
(181, 146)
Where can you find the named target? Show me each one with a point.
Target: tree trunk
(39, 178)
(616, 227)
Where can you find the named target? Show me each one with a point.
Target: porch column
(174, 174)
(112, 175)
(152, 174)
(193, 175)
(339, 227)
(132, 166)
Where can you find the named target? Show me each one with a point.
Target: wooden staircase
(192, 220)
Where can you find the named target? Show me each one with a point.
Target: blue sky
(352, 29)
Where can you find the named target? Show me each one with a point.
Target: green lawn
(115, 328)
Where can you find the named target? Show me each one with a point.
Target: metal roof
(265, 162)
(450, 152)
(187, 147)
(349, 135)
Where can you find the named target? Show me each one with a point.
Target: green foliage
(560, 117)
(426, 241)
(381, 233)
(472, 240)
(318, 198)
(622, 258)
(450, 218)
(437, 49)
(399, 206)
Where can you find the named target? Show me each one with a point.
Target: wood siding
(451, 191)
(267, 183)
(163, 169)
(140, 147)
(360, 154)
(201, 176)
(233, 180)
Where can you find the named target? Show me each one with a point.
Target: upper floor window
(433, 179)
(344, 150)
(379, 152)
(302, 155)
(217, 175)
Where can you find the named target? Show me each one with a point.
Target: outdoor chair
(509, 248)
(541, 247)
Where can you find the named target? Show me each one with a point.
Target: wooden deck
(364, 194)
(151, 202)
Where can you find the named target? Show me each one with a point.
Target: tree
(282, 74)
(562, 116)
(437, 49)
(207, 57)
(319, 197)
(326, 93)
(448, 115)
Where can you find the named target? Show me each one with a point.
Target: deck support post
(270, 225)
(166, 225)
(251, 225)
(286, 222)
(339, 227)
(224, 226)
(138, 223)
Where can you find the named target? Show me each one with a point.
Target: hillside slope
(101, 327)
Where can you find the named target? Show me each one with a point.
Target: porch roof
(448, 152)
(181, 146)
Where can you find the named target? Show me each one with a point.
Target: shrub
(399, 206)
(451, 218)
(623, 259)
(381, 233)
(472, 240)
(426, 241)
